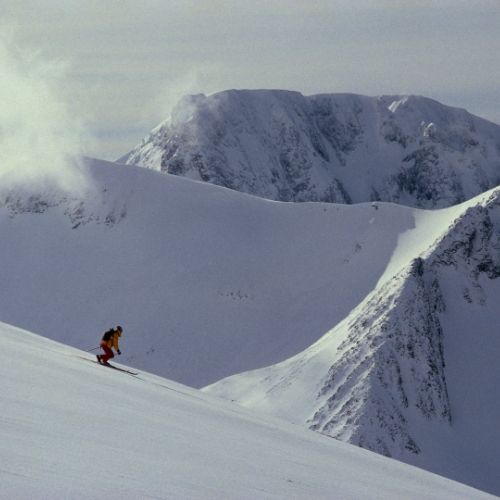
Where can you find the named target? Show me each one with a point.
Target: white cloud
(40, 139)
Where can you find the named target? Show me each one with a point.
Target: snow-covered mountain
(206, 281)
(338, 148)
(209, 282)
(72, 429)
(413, 371)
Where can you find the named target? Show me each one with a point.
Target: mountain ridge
(343, 148)
(400, 367)
(188, 268)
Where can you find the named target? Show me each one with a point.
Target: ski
(110, 366)
(119, 369)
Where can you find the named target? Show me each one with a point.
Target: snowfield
(206, 281)
(71, 429)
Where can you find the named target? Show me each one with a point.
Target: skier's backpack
(107, 335)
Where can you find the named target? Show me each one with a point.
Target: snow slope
(342, 148)
(72, 429)
(207, 282)
(413, 371)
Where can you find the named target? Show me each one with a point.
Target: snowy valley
(412, 372)
(208, 282)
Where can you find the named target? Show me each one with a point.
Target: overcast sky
(129, 61)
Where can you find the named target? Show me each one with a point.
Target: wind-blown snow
(72, 429)
(39, 135)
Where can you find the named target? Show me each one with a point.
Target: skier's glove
(118, 352)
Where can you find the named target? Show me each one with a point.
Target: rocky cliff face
(389, 383)
(390, 364)
(333, 147)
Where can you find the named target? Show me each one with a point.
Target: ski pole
(94, 349)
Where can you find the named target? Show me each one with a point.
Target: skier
(108, 343)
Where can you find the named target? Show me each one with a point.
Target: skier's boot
(98, 356)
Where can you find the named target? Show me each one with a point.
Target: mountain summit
(340, 148)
